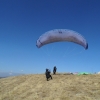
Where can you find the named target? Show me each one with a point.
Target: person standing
(54, 70)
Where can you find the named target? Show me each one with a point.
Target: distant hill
(2, 77)
(7, 74)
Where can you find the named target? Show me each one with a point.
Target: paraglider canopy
(58, 35)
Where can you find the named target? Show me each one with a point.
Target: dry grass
(62, 87)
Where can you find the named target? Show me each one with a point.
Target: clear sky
(23, 21)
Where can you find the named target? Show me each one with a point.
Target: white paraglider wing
(58, 35)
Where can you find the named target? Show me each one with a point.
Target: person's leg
(51, 76)
(47, 78)
(53, 72)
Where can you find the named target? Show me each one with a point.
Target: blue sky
(23, 21)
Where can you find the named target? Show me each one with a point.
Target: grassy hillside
(62, 87)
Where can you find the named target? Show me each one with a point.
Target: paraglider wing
(58, 35)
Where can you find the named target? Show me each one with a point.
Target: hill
(62, 87)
